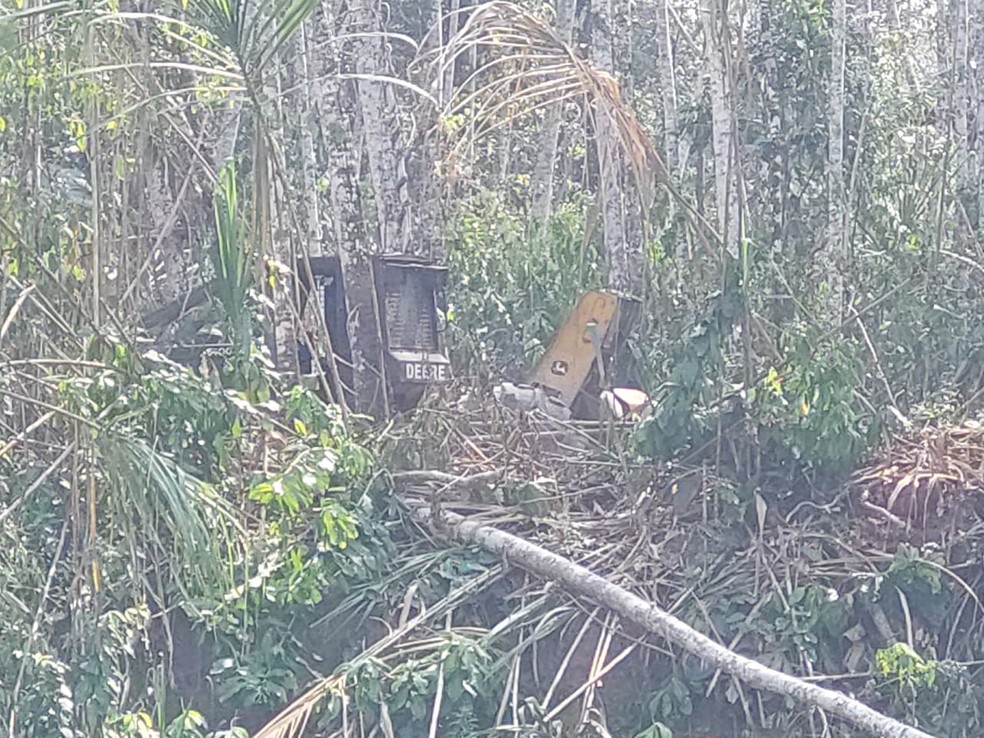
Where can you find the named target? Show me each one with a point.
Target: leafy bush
(808, 412)
(511, 283)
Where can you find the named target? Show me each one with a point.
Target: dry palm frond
(928, 481)
(291, 722)
(523, 66)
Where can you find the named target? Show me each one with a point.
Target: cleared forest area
(492, 369)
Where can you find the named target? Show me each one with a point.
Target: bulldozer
(574, 377)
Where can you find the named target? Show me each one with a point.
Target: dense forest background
(193, 544)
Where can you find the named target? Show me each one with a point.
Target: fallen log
(581, 581)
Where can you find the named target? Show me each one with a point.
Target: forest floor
(810, 580)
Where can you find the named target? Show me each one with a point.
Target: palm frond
(254, 30)
(292, 720)
(523, 64)
(231, 256)
(166, 507)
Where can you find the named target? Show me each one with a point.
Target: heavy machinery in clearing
(572, 379)
(408, 292)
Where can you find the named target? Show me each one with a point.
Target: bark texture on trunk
(837, 251)
(278, 227)
(423, 160)
(667, 82)
(307, 102)
(961, 95)
(944, 63)
(309, 91)
(624, 265)
(381, 130)
(717, 38)
(772, 151)
(977, 104)
(337, 111)
(546, 153)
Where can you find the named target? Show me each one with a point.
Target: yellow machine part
(564, 367)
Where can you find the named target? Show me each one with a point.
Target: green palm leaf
(168, 513)
(254, 30)
(231, 257)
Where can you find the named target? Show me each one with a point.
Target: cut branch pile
(553, 481)
(599, 542)
(582, 582)
(560, 502)
(927, 485)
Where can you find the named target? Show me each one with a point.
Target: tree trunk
(277, 228)
(977, 100)
(381, 131)
(337, 111)
(717, 39)
(623, 271)
(546, 153)
(308, 101)
(836, 258)
(773, 151)
(423, 159)
(961, 97)
(308, 92)
(944, 64)
(667, 83)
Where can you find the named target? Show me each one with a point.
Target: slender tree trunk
(667, 82)
(773, 152)
(546, 154)
(943, 64)
(305, 101)
(624, 272)
(338, 113)
(674, 142)
(961, 96)
(423, 160)
(335, 104)
(454, 19)
(716, 37)
(308, 93)
(977, 100)
(633, 259)
(95, 219)
(621, 36)
(837, 199)
(280, 233)
(381, 130)
(427, 193)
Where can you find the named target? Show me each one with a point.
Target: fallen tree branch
(579, 580)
